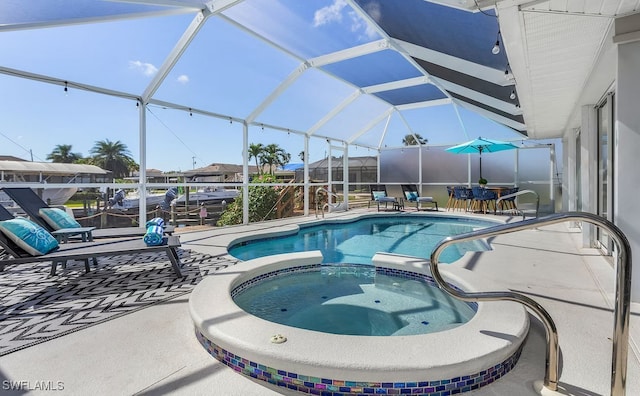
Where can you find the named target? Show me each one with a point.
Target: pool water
(353, 300)
(358, 241)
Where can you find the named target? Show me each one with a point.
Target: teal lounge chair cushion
(58, 218)
(32, 238)
(411, 195)
(378, 194)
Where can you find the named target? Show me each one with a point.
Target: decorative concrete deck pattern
(35, 307)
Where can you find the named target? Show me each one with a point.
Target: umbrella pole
(480, 151)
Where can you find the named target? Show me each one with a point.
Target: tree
(275, 156)
(62, 154)
(113, 156)
(256, 151)
(413, 140)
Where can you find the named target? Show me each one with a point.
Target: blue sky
(225, 70)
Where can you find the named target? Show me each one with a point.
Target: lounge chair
(31, 204)
(379, 195)
(90, 250)
(13, 254)
(411, 194)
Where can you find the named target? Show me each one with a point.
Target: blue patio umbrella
(481, 145)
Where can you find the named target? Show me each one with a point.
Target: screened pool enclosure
(188, 83)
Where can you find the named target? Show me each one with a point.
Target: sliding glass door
(605, 168)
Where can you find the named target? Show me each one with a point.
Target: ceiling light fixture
(496, 48)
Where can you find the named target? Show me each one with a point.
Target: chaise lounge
(31, 204)
(14, 254)
(411, 194)
(379, 195)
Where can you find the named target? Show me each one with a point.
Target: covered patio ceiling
(353, 85)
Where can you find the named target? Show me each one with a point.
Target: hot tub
(461, 359)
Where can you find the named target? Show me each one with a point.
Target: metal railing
(326, 205)
(504, 197)
(622, 292)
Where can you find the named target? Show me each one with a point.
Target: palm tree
(256, 151)
(62, 154)
(113, 156)
(275, 156)
(413, 139)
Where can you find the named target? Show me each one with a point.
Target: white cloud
(146, 68)
(183, 79)
(373, 9)
(358, 24)
(332, 13)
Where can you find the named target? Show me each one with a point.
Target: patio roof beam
(421, 105)
(66, 83)
(382, 136)
(93, 19)
(409, 82)
(370, 125)
(291, 78)
(346, 102)
(404, 120)
(507, 107)
(175, 54)
(520, 127)
(451, 62)
(193, 110)
(349, 53)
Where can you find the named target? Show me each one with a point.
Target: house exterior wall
(620, 61)
(627, 147)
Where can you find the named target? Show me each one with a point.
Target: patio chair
(462, 198)
(11, 253)
(5, 214)
(483, 199)
(411, 194)
(379, 195)
(451, 198)
(31, 204)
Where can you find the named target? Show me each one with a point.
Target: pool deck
(154, 351)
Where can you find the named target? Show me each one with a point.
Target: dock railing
(622, 292)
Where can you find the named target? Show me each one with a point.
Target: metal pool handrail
(329, 193)
(521, 192)
(622, 296)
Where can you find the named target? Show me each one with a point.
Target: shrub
(262, 200)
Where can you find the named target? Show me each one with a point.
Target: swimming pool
(359, 240)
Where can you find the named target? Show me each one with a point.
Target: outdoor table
(62, 235)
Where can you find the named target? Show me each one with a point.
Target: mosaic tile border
(336, 387)
(312, 267)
